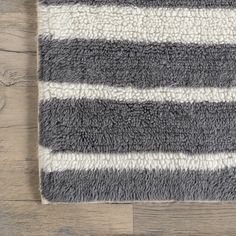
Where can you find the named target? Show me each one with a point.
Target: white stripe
(48, 90)
(139, 24)
(50, 161)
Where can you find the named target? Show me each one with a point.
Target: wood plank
(18, 49)
(18, 123)
(33, 219)
(17, 5)
(19, 181)
(19, 107)
(18, 143)
(185, 219)
(17, 69)
(18, 32)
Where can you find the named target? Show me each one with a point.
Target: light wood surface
(21, 213)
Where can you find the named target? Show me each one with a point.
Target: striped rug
(137, 100)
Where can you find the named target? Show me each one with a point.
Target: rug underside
(137, 100)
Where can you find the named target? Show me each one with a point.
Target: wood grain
(31, 219)
(25, 6)
(185, 219)
(21, 213)
(18, 48)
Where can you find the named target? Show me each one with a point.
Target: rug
(137, 100)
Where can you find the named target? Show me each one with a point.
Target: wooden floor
(21, 213)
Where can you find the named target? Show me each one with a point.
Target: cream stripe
(75, 161)
(48, 90)
(139, 24)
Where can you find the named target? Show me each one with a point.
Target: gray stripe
(149, 3)
(110, 126)
(133, 184)
(137, 64)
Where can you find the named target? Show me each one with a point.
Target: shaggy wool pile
(137, 100)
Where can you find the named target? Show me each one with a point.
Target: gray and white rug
(137, 100)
